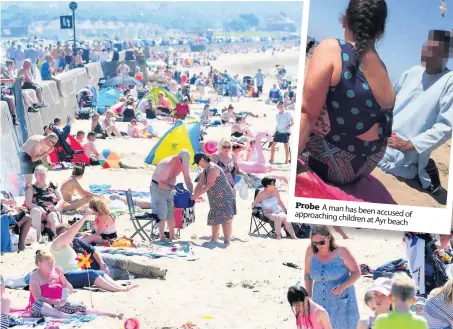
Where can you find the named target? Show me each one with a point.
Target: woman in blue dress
(330, 274)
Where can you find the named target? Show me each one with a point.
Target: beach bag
(389, 269)
(302, 231)
(244, 190)
(184, 217)
(182, 197)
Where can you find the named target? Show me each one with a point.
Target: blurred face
(40, 175)
(435, 53)
(50, 142)
(371, 305)
(280, 108)
(382, 302)
(81, 136)
(270, 187)
(321, 242)
(419, 309)
(92, 138)
(46, 266)
(226, 148)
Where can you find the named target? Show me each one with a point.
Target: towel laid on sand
(174, 251)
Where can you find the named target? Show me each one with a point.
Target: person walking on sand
(330, 274)
(423, 115)
(163, 186)
(259, 76)
(34, 152)
(282, 131)
(222, 201)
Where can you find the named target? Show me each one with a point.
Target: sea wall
(61, 107)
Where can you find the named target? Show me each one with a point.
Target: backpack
(301, 230)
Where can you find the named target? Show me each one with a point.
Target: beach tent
(182, 135)
(108, 96)
(168, 94)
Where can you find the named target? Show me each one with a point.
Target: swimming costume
(337, 155)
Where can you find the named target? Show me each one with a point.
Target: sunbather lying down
(142, 203)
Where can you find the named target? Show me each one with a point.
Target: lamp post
(73, 7)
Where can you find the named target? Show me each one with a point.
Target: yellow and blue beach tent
(182, 135)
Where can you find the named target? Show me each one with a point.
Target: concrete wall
(61, 107)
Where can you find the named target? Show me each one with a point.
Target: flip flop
(292, 265)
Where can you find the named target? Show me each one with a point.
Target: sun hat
(382, 285)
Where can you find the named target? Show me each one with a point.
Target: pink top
(309, 321)
(53, 290)
(163, 102)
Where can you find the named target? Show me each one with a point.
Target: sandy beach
(244, 285)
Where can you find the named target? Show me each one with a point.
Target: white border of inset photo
(358, 214)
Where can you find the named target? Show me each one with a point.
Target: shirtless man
(28, 82)
(58, 55)
(162, 187)
(67, 56)
(71, 187)
(34, 152)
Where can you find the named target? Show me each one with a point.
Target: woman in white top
(108, 124)
(273, 208)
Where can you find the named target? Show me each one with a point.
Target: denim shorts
(80, 279)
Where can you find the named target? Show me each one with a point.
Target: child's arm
(307, 278)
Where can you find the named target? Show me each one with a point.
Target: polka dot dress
(339, 156)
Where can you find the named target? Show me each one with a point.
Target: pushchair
(284, 83)
(248, 83)
(85, 104)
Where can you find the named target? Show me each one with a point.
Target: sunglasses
(319, 243)
(226, 147)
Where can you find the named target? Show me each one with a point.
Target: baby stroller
(248, 83)
(284, 83)
(85, 104)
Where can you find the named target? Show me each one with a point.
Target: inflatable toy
(259, 166)
(211, 147)
(109, 159)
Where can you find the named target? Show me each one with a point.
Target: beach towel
(107, 190)
(366, 189)
(157, 251)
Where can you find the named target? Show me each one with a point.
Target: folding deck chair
(141, 221)
(259, 221)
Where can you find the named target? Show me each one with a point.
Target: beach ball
(132, 323)
(104, 154)
(112, 161)
(210, 147)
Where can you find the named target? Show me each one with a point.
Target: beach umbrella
(124, 80)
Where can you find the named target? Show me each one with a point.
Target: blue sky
(408, 24)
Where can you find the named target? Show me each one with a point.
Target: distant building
(280, 23)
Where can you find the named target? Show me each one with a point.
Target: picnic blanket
(156, 251)
(24, 319)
